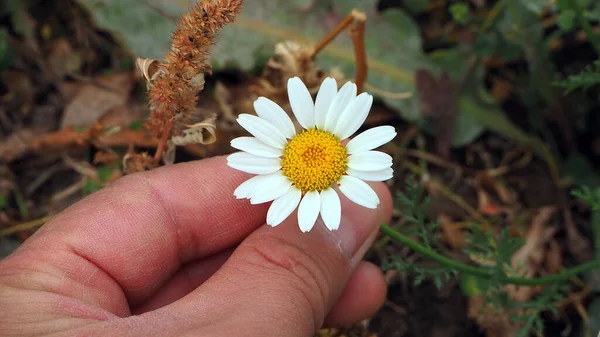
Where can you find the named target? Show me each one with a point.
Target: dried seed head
(174, 85)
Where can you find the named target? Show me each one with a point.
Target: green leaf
(416, 6)
(486, 45)
(17, 9)
(6, 51)
(393, 44)
(136, 125)
(141, 28)
(472, 285)
(566, 20)
(580, 171)
(104, 173)
(460, 12)
(90, 186)
(3, 201)
(593, 312)
(536, 6)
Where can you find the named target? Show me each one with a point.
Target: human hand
(171, 252)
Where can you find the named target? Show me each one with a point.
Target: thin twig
(332, 35)
(357, 33)
(358, 40)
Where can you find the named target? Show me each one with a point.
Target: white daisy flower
(301, 169)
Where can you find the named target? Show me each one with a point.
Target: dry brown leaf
(452, 233)
(553, 261)
(495, 324)
(89, 171)
(93, 100)
(485, 205)
(223, 99)
(21, 92)
(17, 143)
(437, 102)
(122, 116)
(529, 259)
(147, 67)
(200, 133)
(25, 141)
(137, 162)
(106, 158)
(578, 245)
(290, 59)
(63, 60)
(485, 180)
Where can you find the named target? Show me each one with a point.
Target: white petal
(331, 209)
(381, 175)
(301, 102)
(264, 183)
(263, 130)
(354, 115)
(271, 190)
(371, 139)
(257, 184)
(358, 191)
(340, 101)
(246, 187)
(256, 147)
(253, 164)
(308, 211)
(274, 114)
(323, 101)
(283, 206)
(370, 161)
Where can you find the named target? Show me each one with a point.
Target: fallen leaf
(16, 144)
(106, 158)
(137, 162)
(26, 141)
(452, 233)
(63, 60)
(553, 260)
(96, 98)
(495, 323)
(123, 116)
(529, 259)
(201, 133)
(147, 67)
(21, 92)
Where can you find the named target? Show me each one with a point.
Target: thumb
(282, 282)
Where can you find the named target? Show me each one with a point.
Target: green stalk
(481, 272)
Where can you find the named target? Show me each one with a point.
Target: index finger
(126, 240)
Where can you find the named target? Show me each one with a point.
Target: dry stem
(356, 22)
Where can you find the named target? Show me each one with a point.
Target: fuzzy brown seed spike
(173, 92)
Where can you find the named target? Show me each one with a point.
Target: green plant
(494, 271)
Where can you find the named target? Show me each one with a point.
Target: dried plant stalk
(174, 82)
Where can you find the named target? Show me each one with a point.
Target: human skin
(171, 252)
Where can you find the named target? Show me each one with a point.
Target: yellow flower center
(313, 160)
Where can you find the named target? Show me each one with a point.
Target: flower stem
(163, 142)
(482, 272)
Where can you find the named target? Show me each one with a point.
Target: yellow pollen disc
(313, 160)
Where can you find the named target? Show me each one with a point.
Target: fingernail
(357, 231)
